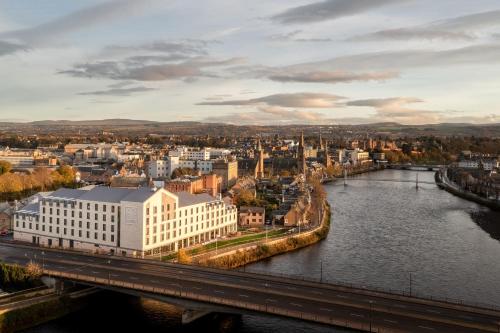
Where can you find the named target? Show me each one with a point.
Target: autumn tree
(5, 167)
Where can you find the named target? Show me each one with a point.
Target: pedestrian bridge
(207, 289)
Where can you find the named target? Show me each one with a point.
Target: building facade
(133, 222)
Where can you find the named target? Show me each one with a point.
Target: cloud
(458, 28)
(83, 18)
(392, 60)
(329, 10)
(333, 77)
(265, 115)
(118, 91)
(124, 70)
(8, 48)
(292, 36)
(396, 110)
(294, 100)
(192, 47)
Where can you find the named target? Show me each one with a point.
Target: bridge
(416, 167)
(207, 289)
(392, 180)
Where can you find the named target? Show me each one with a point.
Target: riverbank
(444, 183)
(254, 253)
(40, 308)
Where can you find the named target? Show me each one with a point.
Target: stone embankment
(443, 182)
(255, 252)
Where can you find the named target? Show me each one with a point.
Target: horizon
(285, 62)
(243, 125)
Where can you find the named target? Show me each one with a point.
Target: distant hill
(145, 127)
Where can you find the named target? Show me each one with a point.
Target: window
(103, 208)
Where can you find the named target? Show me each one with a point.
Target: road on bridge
(240, 292)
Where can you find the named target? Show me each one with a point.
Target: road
(324, 303)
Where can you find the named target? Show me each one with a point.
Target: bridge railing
(372, 288)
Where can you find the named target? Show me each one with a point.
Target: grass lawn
(230, 242)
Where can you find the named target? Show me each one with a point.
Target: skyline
(311, 62)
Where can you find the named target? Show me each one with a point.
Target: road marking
(341, 296)
(115, 275)
(427, 328)
(94, 272)
(324, 309)
(370, 301)
(433, 311)
(271, 300)
(244, 296)
(219, 291)
(295, 304)
(356, 315)
(391, 321)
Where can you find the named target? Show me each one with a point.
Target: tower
(320, 141)
(301, 157)
(328, 160)
(260, 163)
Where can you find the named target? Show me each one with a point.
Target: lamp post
(321, 271)
(371, 302)
(109, 273)
(216, 242)
(43, 260)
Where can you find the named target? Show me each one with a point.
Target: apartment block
(134, 222)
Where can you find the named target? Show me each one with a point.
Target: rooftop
(104, 194)
(188, 199)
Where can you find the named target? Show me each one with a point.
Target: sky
(262, 62)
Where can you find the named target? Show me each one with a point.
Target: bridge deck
(239, 291)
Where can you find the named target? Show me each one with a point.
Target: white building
(123, 221)
(163, 168)
(469, 164)
(358, 156)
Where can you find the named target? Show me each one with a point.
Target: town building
(133, 222)
(228, 171)
(195, 184)
(252, 217)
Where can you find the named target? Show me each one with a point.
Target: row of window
(65, 231)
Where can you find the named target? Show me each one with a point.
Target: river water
(382, 232)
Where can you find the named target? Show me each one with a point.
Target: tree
(183, 257)
(5, 167)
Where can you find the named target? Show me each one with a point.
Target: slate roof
(104, 194)
(188, 199)
(32, 208)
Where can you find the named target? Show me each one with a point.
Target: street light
(216, 242)
(321, 271)
(371, 302)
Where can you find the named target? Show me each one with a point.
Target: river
(382, 232)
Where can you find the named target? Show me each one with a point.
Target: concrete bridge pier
(189, 315)
(224, 321)
(58, 285)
